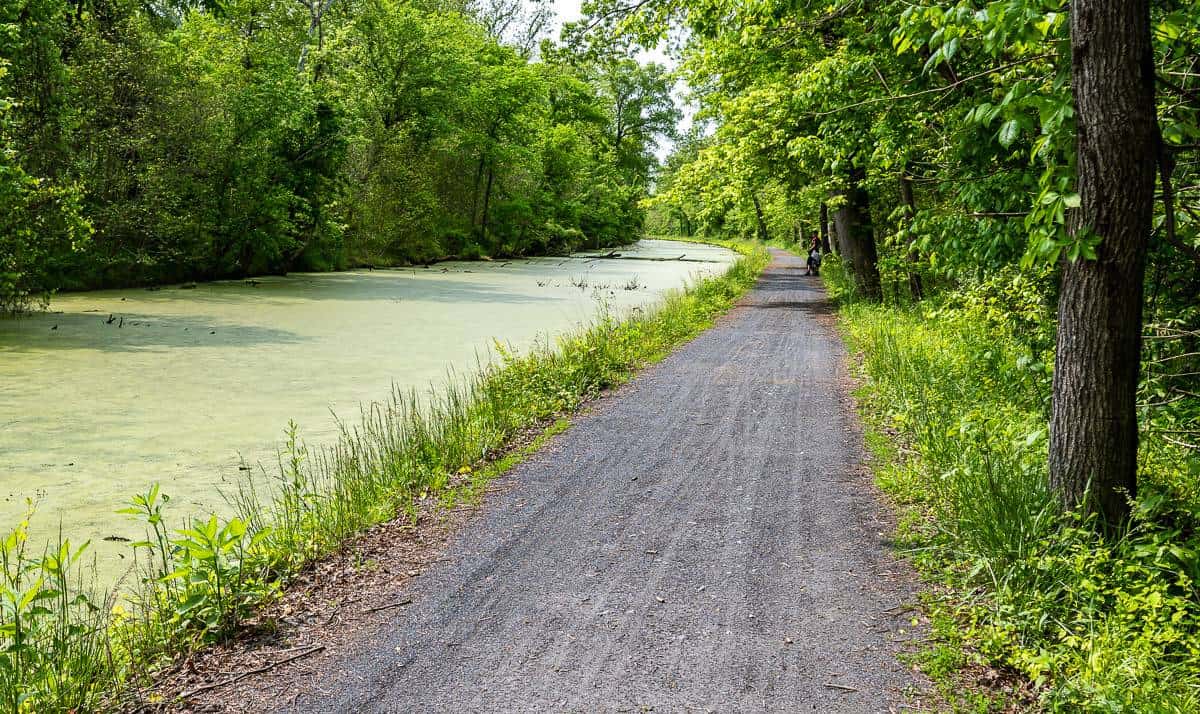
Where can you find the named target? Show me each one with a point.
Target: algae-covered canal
(109, 391)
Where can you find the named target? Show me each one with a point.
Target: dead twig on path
(398, 603)
(267, 667)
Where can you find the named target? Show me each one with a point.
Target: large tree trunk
(1093, 425)
(857, 237)
(915, 289)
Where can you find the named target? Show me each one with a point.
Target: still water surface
(110, 391)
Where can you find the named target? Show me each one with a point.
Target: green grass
(65, 648)
(955, 394)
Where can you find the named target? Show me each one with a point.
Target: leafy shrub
(205, 578)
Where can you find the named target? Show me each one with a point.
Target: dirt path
(705, 539)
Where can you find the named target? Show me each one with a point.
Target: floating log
(617, 256)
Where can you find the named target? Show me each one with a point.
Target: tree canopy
(166, 141)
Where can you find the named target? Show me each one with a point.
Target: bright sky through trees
(569, 11)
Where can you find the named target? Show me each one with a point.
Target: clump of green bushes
(956, 391)
(65, 648)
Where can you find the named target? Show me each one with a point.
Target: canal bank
(110, 391)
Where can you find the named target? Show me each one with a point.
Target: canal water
(110, 391)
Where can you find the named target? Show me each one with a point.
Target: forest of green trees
(161, 141)
(935, 144)
(1014, 185)
(1010, 191)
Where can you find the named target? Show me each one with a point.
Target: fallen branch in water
(617, 256)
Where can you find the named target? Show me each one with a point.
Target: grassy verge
(955, 395)
(65, 648)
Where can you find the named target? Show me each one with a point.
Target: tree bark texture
(823, 227)
(1093, 424)
(857, 237)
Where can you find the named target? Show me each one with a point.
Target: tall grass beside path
(65, 648)
(955, 393)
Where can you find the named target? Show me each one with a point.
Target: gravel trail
(705, 539)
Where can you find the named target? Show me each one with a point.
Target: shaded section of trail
(704, 539)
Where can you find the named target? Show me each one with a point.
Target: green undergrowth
(955, 393)
(66, 648)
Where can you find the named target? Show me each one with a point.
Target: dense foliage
(956, 119)
(149, 142)
(936, 146)
(962, 383)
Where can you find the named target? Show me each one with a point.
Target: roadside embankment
(1032, 605)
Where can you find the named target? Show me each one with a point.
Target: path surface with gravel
(705, 539)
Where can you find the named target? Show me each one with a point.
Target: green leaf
(1009, 131)
(950, 48)
(191, 603)
(29, 595)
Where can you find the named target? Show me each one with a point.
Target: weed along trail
(705, 538)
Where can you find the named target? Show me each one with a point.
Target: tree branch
(614, 12)
(1181, 91)
(936, 90)
(312, 28)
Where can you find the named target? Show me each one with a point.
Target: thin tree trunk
(316, 11)
(475, 190)
(1093, 423)
(487, 198)
(484, 160)
(758, 215)
(857, 237)
(823, 227)
(915, 289)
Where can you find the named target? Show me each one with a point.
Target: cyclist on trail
(814, 257)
